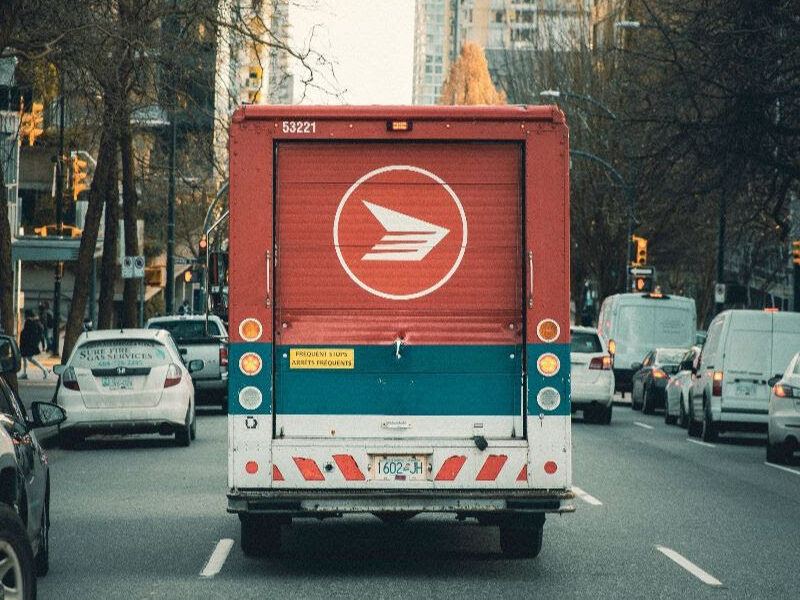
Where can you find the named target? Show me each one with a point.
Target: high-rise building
(442, 26)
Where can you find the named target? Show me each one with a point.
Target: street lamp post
(630, 191)
(170, 287)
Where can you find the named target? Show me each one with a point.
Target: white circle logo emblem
(396, 232)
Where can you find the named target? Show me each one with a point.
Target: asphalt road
(140, 518)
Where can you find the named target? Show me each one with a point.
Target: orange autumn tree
(468, 81)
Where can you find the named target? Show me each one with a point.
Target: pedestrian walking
(185, 308)
(47, 321)
(29, 341)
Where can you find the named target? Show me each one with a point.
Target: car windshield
(119, 353)
(669, 357)
(188, 330)
(584, 342)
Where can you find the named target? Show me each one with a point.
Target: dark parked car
(650, 378)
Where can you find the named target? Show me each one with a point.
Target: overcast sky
(369, 42)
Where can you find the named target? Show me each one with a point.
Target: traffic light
(643, 283)
(203, 245)
(189, 275)
(31, 125)
(78, 175)
(640, 251)
(796, 252)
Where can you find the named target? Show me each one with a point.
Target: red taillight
(550, 467)
(716, 387)
(223, 356)
(174, 376)
(69, 380)
(251, 467)
(659, 374)
(601, 363)
(785, 391)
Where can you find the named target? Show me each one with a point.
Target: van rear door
(747, 363)
(785, 340)
(398, 282)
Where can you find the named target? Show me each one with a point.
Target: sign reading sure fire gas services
(321, 358)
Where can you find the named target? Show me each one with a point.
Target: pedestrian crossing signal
(796, 252)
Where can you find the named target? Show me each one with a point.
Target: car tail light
(601, 363)
(659, 374)
(612, 347)
(550, 467)
(786, 391)
(174, 376)
(250, 363)
(69, 380)
(716, 387)
(223, 356)
(548, 364)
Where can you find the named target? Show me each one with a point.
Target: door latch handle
(530, 272)
(397, 343)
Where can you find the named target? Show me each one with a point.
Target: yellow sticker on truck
(321, 358)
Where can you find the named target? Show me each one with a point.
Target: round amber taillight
(548, 364)
(548, 330)
(250, 330)
(250, 363)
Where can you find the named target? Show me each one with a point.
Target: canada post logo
(400, 232)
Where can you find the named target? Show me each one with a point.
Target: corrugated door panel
(381, 244)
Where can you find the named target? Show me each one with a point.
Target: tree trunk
(108, 263)
(129, 208)
(6, 271)
(105, 176)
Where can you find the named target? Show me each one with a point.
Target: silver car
(24, 470)
(679, 386)
(783, 426)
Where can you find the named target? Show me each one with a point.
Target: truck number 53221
(299, 127)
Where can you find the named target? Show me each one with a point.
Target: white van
(744, 350)
(634, 324)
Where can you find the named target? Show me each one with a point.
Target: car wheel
(709, 431)
(647, 402)
(634, 404)
(43, 555)
(776, 453)
(694, 426)
(193, 427)
(590, 414)
(521, 541)
(69, 440)
(17, 574)
(260, 535)
(683, 421)
(183, 436)
(668, 418)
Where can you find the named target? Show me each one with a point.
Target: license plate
(399, 468)
(745, 389)
(117, 383)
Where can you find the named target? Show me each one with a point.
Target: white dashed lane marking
(588, 498)
(217, 558)
(699, 443)
(684, 562)
(642, 425)
(787, 469)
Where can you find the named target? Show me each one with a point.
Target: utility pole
(723, 204)
(59, 217)
(170, 287)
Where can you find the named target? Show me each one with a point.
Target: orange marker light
(612, 347)
(547, 330)
(250, 363)
(250, 330)
(398, 126)
(548, 364)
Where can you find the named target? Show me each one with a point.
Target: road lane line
(699, 443)
(787, 469)
(643, 425)
(684, 562)
(586, 497)
(217, 559)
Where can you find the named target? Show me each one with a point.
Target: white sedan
(591, 377)
(679, 385)
(126, 381)
(783, 426)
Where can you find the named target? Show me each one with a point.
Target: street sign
(719, 293)
(132, 267)
(182, 260)
(642, 271)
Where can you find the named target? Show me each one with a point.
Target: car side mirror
(195, 365)
(773, 380)
(59, 369)
(636, 366)
(10, 358)
(45, 414)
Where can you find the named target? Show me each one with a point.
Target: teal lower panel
(560, 381)
(425, 380)
(237, 380)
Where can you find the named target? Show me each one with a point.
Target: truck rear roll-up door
(398, 282)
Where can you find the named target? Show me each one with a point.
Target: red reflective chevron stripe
(523, 474)
(348, 466)
(491, 468)
(276, 473)
(450, 468)
(308, 469)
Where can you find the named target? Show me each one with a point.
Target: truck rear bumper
(300, 503)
